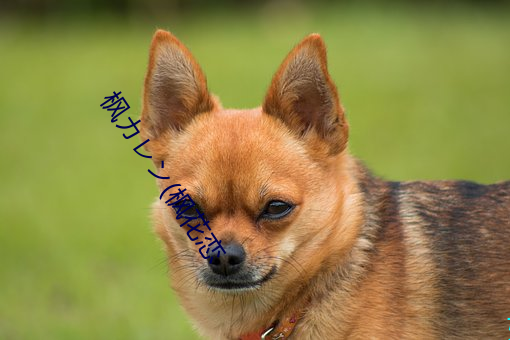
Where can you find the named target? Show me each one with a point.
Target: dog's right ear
(175, 88)
(303, 95)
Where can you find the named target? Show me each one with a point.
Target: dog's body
(310, 235)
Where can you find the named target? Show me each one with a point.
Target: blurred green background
(426, 87)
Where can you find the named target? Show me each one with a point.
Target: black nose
(230, 262)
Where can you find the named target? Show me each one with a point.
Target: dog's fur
(361, 257)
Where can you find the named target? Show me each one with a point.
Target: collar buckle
(266, 333)
(274, 337)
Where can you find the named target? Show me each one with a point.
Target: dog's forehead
(241, 141)
(238, 153)
(240, 113)
(237, 139)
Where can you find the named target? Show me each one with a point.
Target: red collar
(278, 330)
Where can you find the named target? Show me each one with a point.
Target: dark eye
(186, 211)
(276, 209)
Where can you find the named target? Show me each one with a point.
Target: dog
(314, 245)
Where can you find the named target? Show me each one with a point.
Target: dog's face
(271, 181)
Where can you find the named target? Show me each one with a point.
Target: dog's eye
(192, 212)
(276, 209)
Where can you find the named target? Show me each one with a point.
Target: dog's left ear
(305, 98)
(175, 88)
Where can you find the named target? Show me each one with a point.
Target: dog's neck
(280, 329)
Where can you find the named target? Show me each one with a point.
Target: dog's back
(447, 242)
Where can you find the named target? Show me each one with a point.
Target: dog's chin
(236, 283)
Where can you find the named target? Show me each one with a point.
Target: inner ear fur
(305, 98)
(175, 88)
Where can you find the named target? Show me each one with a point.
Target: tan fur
(355, 255)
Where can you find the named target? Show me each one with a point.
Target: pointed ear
(305, 98)
(175, 88)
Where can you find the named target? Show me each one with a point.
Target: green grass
(427, 96)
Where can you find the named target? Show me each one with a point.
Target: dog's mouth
(238, 283)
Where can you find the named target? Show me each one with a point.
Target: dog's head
(273, 181)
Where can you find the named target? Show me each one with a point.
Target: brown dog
(314, 246)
